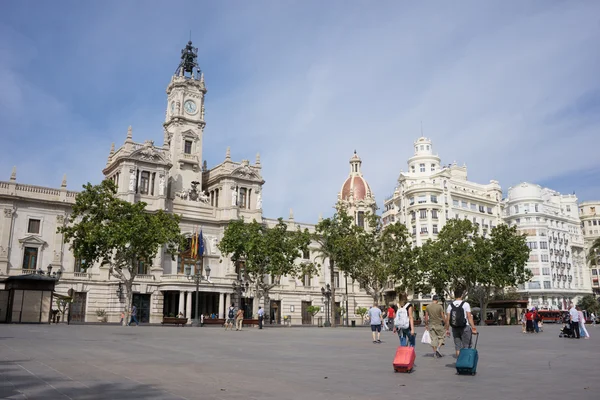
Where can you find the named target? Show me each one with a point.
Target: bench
(221, 321)
(174, 321)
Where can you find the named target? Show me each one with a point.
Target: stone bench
(174, 321)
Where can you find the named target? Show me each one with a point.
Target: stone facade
(171, 177)
(557, 259)
(589, 214)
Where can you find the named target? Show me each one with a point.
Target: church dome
(355, 187)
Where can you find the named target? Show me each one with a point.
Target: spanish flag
(194, 245)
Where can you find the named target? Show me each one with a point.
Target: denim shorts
(376, 328)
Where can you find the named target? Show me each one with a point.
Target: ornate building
(557, 259)
(172, 177)
(356, 194)
(589, 213)
(431, 193)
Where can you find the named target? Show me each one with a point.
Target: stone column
(222, 298)
(188, 307)
(181, 301)
(6, 227)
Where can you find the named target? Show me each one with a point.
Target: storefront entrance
(275, 317)
(78, 307)
(142, 302)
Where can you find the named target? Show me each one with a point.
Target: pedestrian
(434, 323)
(459, 317)
(582, 331)
(536, 321)
(523, 322)
(239, 319)
(529, 321)
(261, 316)
(374, 316)
(593, 317)
(574, 316)
(201, 319)
(134, 316)
(122, 317)
(230, 317)
(391, 314)
(404, 323)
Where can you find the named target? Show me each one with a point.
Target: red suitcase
(404, 360)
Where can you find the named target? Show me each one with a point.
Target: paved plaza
(153, 362)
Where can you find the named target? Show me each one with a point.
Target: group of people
(577, 320)
(133, 317)
(439, 323)
(236, 317)
(531, 321)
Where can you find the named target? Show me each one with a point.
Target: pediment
(32, 240)
(245, 172)
(149, 154)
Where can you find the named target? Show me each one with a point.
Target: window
(532, 245)
(595, 222)
(306, 254)
(422, 167)
(547, 285)
(422, 147)
(568, 208)
(33, 226)
(546, 271)
(534, 285)
(412, 168)
(435, 229)
(545, 258)
(455, 203)
(475, 220)
(360, 219)
(516, 209)
(434, 198)
(306, 280)
(422, 199)
(242, 198)
(30, 256)
(464, 204)
(188, 147)
(592, 209)
(411, 201)
(427, 147)
(80, 265)
(594, 272)
(536, 207)
(423, 214)
(142, 268)
(432, 167)
(543, 245)
(144, 182)
(412, 215)
(423, 230)
(473, 206)
(336, 279)
(414, 230)
(434, 214)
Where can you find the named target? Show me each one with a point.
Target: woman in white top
(582, 331)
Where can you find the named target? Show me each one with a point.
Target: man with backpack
(459, 317)
(404, 323)
(230, 317)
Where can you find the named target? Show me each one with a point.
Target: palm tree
(594, 252)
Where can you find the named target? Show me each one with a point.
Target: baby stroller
(567, 331)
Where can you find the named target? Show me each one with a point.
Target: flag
(200, 241)
(193, 246)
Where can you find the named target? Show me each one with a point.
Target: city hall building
(171, 176)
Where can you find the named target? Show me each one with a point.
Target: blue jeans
(406, 337)
(536, 326)
(134, 319)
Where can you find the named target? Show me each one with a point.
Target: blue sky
(510, 88)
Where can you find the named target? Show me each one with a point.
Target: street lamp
(56, 275)
(197, 278)
(326, 296)
(240, 287)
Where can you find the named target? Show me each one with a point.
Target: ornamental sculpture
(194, 194)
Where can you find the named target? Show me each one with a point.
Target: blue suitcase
(466, 363)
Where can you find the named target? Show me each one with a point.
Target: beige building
(557, 258)
(429, 194)
(170, 176)
(589, 214)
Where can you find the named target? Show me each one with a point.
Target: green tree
(384, 254)
(266, 253)
(590, 304)
(362, 311)
(313, 310)
(594, 252)
(119, 234)
(337, 242)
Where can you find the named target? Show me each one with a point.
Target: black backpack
(231, 314)
(457, 316)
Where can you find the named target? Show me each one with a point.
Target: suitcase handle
(476, 339)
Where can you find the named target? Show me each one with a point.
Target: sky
(509, 88)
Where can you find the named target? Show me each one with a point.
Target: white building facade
(173, 177)
(557, 259)
(430, 194)
(589, 214)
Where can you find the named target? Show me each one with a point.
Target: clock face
(172, 107)
(190, 107)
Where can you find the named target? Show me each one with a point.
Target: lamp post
(326, 295)
(346, 279)
(240, 286)
(197, 278)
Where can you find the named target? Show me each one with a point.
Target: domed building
(356, 195)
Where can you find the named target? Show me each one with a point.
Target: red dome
(357, 186)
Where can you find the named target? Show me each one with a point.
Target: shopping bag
(426, 338)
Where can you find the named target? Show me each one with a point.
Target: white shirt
(466, 307)
(574, 315)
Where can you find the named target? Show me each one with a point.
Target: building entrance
(142, 303)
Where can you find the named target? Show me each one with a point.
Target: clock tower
(184, 122)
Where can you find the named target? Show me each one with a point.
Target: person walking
(230, 317)
(529, 321)
(574, 317)
(122, 317)
(459, 317)
(391, 314)
(593, 317)
(536, 321)
(582, 331)
(374, 315)
(523, 322)
(239, 319)
(404, 323)
(434, 323)
(134, 316)
(261, 316)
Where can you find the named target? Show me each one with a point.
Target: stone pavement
(153, 362)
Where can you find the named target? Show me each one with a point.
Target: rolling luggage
(466, 363)
(404, 360)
